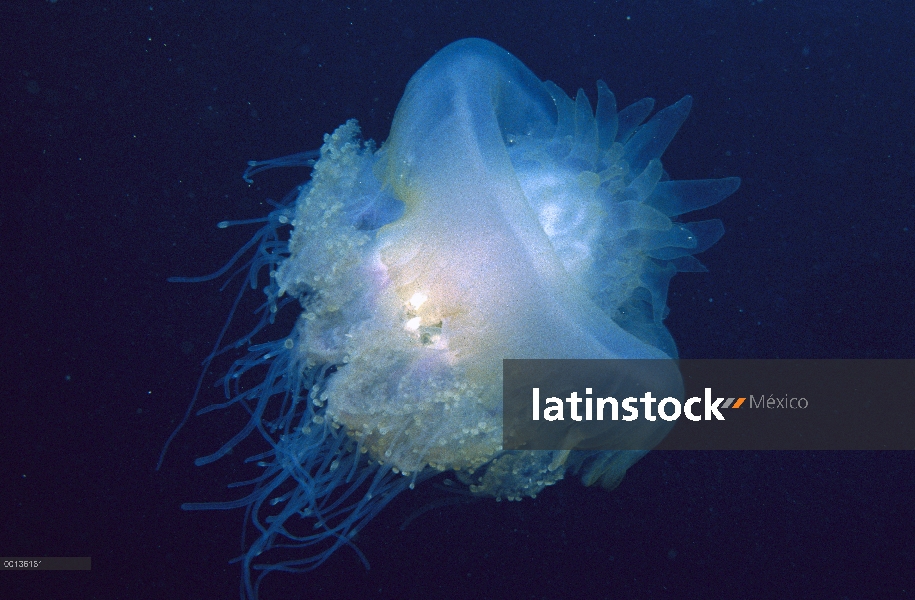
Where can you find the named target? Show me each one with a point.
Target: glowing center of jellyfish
(422, 321)
(417, 300)
(413, 322)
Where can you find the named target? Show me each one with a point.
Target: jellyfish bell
(501, 219)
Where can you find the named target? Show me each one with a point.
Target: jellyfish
(500, 219)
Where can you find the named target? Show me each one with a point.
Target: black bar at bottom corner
(46, 563)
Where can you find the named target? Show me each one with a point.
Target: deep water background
(124, 129)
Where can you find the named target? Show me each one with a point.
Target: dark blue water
(124, 131)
